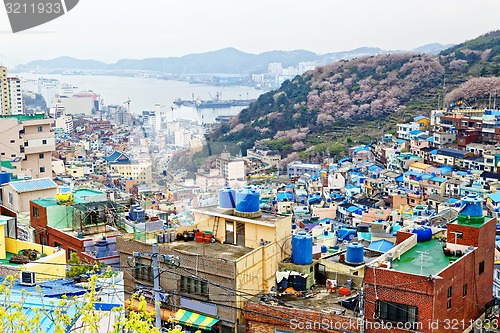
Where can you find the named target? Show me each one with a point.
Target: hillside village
(399, 236)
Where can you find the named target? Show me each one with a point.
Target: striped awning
(194, 319)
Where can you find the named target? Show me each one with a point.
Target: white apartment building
(233, 169)
(182, 138)
(65, 123)
(404, 130)
(15, 96)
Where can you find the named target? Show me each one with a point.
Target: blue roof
(462, 173)
(430, 139)
(434, 152)
(374, 168)
(381, 245)
(349, 186)
(413, 173)
(400, 140)
(452, 200)
(399, 178)
(33, 185)
(354, 209)
(445, 169)
(495, 197)
(415, 132)
(438, 179)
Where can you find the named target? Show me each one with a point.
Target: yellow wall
(50, 267)
(2, 241)
(14, 246)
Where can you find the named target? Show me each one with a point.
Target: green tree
(85, 318)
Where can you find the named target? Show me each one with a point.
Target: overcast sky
(109, 30)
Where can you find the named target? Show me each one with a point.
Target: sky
(109, 30)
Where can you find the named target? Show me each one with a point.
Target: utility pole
(422, 253)
(361, 306)
(156, 276)
(170, 261)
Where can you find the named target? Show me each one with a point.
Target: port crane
(128, 104)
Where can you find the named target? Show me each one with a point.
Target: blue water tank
(101, 247)
(247, 200)
(227, 198)
(4, 177)
(473, 206)
(139, 215)
(302, 248)
(324, 249)
(423, 234)
(355, 253)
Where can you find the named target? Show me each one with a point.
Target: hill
(319, 112)
(226, 61)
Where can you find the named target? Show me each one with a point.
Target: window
(26, 143)
(70, 250)
(41, 155)
(12, 141)
(497, 274)
(449, 292)
(40, 129)
(57, 244)
(448, 304)
(464, 290)
(11, 198)
(44, 142)
(36, 212)
(481, 267)
(42, 169)
(193, 286)
(396, 312)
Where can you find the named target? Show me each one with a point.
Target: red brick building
(433, 286)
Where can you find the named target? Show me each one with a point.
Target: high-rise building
(4, 91)
(11, 94)
(15, 96)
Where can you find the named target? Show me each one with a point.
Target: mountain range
(225, 61)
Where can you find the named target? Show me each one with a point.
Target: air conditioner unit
(27, 278)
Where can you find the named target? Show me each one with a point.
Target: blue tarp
(381, 245)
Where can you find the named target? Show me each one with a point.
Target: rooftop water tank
(354, 254)
(423, 234)
(248, 202)
(139, 215)
(302, 248)
(227, 198)
(101, 247)
(4, 177)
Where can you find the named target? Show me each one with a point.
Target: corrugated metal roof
(33, 185)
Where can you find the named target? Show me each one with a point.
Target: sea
(145, 92)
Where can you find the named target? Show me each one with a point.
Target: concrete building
(139, 171)
(244, 257)
(233, 169)
(297, 169)
(211, 181)
(16, 195)
(264, 154)
(65, 123)
(4, 91)
(453, 279)
(16, 102)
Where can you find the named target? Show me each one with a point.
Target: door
(229, 232)
(320, 274)
(240, 233)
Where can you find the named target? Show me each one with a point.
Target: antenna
(422, 254)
